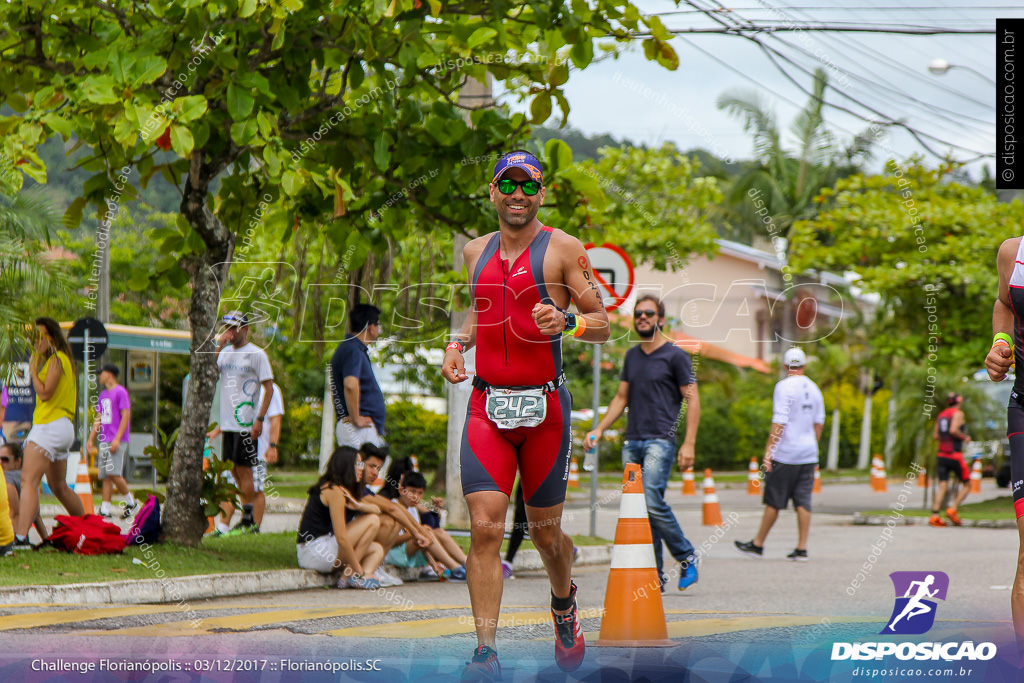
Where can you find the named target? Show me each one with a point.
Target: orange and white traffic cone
(753, 478)
(689, 483)
(83, 488)
(976, 476)
(633, 612)
(922, 478)
(878, 482)
(574, 474)
(817, 480)
(712, 513)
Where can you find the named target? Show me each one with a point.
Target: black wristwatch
(260, 418)
(570, 322)
(273, 444)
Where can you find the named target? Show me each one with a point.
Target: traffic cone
(753, 478)
(633, 613)
(574, 474)
(689, 483)
(712, 513)
(878, 483)
(817, 480)
(976, 476)
(922, 478)
(83, 488)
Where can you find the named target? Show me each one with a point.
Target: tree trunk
(183, 518)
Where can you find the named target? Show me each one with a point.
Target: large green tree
(285, 110)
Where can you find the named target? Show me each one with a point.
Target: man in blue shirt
(657, 376)
(358, 400)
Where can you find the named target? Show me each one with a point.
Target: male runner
(949, 432)
(1006, 328)
(523, 278)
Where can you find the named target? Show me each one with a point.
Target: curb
(185, 588)
(880, 520)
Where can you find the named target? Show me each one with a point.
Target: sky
(634, 99)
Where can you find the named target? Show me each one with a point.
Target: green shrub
(414, 430)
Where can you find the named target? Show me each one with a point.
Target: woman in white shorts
(52, 433)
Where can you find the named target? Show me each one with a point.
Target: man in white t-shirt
(244, 368)
(266, 446)
(798, 414)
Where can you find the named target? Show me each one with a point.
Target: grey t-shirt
(14, 477)
(654, 397)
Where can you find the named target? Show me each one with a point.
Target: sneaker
(105, 515)
(428, 574)
(366, 583)
(569, 645)
(954, 517)
(506, 569)
(386, 579)
(6, 550)
(22, 543)
(483, 667)
(687, 574)
(798, 555)
(935, 520)
(458, 575)
(129, 510)
(749, 549)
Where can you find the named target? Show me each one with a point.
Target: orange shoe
(954, 517)
(935, 520)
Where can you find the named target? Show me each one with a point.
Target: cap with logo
(794, 358)
(523, 160)
(235, 319)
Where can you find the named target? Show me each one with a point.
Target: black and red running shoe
(569, 645)
(484, 668)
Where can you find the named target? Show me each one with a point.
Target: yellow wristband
(1004, 338)
(581, 326)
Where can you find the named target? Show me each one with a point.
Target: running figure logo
(914, 612)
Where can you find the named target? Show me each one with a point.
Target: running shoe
(22, 542)
(506, 569)
(798, 555)
(935, 520)
(129, 510)
(954, 517)
(483, 667)
(687, 574)
(458, 575)
(367, 583)
(428, 574)
(106, 515)
(569, 645)
(386, 579)
(7, 549)
(749, 549)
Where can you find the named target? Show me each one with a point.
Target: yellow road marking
(245, 622)
(431, 628)
(37, 619)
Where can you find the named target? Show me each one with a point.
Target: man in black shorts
(243, 368)
(949, 432)
(798, 414)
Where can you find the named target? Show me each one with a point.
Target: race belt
(512, 407)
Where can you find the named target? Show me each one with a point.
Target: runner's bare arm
(1000, 357)
(453, 367)
(578, 278)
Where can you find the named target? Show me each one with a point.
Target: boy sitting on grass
(443, 551)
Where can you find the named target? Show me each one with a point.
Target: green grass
(256, 552)
(995, 508)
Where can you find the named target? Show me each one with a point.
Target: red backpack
(86, 535)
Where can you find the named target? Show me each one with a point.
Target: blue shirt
(654, 397)
(350, 359)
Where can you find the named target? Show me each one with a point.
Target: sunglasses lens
(506, 186)
(531, 187)
(643, 314)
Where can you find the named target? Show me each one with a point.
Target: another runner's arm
(615, 410)
(453, 367)
(1000, 356)
(956, 424)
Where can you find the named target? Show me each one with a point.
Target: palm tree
(28, 275)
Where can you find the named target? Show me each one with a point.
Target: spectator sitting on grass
(11, 456)
(332, 533)
(443, 549)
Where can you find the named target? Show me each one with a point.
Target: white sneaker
(386, 579)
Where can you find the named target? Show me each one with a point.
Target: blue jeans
(656, 456)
